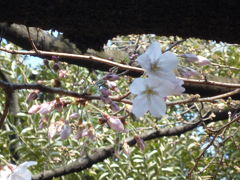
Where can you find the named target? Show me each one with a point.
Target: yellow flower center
(149, 91)
(155, 67)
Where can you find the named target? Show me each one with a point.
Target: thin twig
(211, 143)
(225, 66)
(200, 156)
(175, 44)
(32, 42)
(195, 99)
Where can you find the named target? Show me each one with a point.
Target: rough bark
(91, 23)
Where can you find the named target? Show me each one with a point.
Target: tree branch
(192, 86)
(103, 153)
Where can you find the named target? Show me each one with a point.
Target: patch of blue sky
(33, 62)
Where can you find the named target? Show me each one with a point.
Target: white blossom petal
(161, 86)
(157, 106)
(144, 61)
(28, 164)
(154, 51)
(168, 61)
(178, 89)
(137, 86)
(21, 172)
(140, 106)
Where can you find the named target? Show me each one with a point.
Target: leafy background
(167, 158)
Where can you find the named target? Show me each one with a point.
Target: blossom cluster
(151, 92)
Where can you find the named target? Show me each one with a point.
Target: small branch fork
(217, 132)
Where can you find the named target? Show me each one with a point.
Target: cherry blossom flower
(47, 107)
(150, 96)
(13, 172)
(157, 64)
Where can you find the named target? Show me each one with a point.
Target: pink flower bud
(32, 96)
(55, 128)
(202, 61)
(74, 116)
(112, 85)
(55, 57)
(56, 67)
(66, 131)
(58, 104)
(62, 74)
(81, 132)
(140, 142)
(105, 91)
(43, 121)
(34, 109)
(115, 123)
(52, 130)
(190, 57)
(188, 72)
(92, 133)
(114, 107)
(106, 99)
(46, 62)
(46, 108)
(111, 77)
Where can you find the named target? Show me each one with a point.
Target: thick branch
(101, 154)
(202, 87)
(18, 35)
